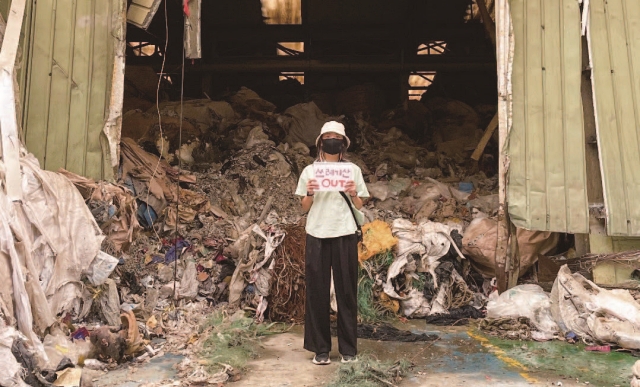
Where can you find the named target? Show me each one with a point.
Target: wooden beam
(338, 64)
(489, 25)
(488, 132)
(504, 58)
(329, 32)
(113, 124)
(596, 240)
(193, 31)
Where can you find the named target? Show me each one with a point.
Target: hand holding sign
(333, 176)
(350, 188)
(312, 186)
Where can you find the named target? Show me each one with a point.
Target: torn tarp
(593, 313)
(429, 241)
(49, 240)
(11, 371)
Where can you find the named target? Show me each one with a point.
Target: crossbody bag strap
(351, 209)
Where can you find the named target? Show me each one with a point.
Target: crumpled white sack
(11, 370)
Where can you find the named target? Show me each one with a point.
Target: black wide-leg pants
(323, 255)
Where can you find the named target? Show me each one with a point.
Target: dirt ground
(457, 359)
(461, 357)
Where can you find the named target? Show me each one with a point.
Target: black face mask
(332, 146)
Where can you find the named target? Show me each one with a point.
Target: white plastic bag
(11, 370)
(415, 305)
(189, 282)
(525, 301)
(101, 268)
(635, 381)
(379, 190)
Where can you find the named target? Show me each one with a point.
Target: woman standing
(332, 246)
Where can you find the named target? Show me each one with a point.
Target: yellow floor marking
(502, 355)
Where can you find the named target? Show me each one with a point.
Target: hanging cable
(155, 170)
(175, 265)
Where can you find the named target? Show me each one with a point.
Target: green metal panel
(547, 187)
(614, 45)
(68, 88)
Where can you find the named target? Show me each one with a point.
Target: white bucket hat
(333, 127)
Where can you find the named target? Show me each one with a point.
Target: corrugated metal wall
(614, 45)
(547, 175)
(67, 93)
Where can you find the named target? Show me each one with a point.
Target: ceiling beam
(363, 65)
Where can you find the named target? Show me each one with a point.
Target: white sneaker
(321, 359)
(349, 359)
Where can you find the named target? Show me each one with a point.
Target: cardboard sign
(333, 176)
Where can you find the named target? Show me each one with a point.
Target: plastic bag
(488, 204)
(256, 137)
(399, 185)
(379, 190)
(59, 346)
(415, 305)
(448, 191)
(189, 282)
(525, 301)
(595, 314)
(11, 370)
(110, 303)
(377, 238)
(101, 268)
(635, 381)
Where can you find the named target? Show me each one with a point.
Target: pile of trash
(576, 309)
(213, 222)
(53, 274)
(236, 206)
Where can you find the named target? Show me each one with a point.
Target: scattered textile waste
(457, 316)
(386, 332)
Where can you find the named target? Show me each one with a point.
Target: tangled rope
(459, 294)
(288, 291)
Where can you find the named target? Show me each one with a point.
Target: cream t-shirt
(329, 216)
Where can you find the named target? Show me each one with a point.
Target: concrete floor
(462, 357)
